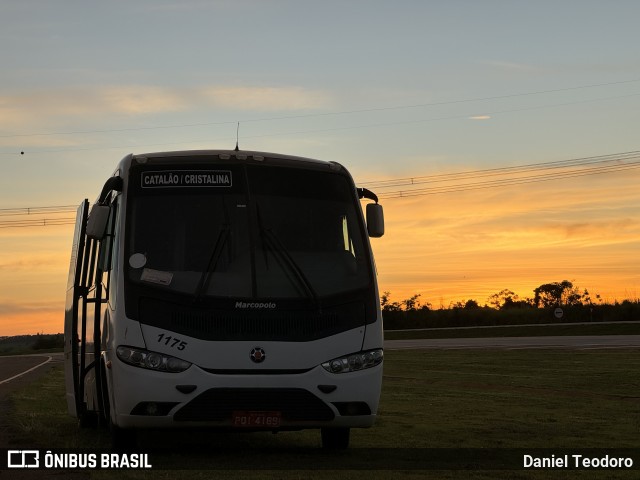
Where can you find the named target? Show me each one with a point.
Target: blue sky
(84, 65)
(390, 89)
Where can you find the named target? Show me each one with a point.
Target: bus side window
(106, 244)
(108, 250)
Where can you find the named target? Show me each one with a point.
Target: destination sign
(186, 178)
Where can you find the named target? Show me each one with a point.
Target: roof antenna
(237, 136)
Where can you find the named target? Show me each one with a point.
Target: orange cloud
(23, 320)
(33, 273)
(475, 243)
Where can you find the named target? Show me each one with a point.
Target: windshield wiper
(281, 252)
(218, 248)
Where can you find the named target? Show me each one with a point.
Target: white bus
(225, 289)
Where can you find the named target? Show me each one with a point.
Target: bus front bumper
(197, 398)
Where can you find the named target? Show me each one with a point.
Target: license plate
(253, 419)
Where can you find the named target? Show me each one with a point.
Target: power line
(453, 183)
(615, 159)
(505, 182)
(37, 210)
(42, 222)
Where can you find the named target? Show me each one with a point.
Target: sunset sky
(392, 90)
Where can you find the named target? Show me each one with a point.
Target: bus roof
(241, 155)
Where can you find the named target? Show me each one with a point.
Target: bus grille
(230, 325)
(217, 404)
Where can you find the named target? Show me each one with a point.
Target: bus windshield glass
(245, 231)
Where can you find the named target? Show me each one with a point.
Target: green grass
(430, 399)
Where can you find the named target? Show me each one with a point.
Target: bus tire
(105, 414)
(335, 438)
(122, 439)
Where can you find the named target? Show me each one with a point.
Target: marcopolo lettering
(255, 305)
(186, 178)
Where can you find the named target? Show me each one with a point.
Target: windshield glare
(278, 233)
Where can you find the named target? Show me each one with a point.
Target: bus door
(82, 312)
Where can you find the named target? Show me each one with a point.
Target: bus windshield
(265, 232)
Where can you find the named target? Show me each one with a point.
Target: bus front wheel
(122, 440)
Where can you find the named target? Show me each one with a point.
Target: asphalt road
(569, 342)
(18, 370)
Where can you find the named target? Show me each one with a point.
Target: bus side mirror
(97, 222)
(375, 220)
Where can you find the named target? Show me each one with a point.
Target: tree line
(21, 344)
(506, 307)
(555, 294)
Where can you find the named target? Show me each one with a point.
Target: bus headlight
(354, 362)
(151, 360)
